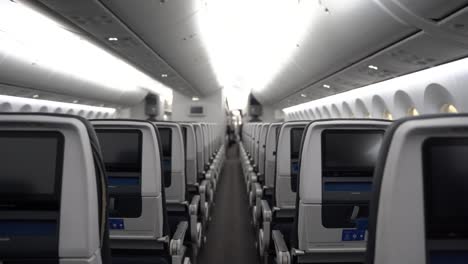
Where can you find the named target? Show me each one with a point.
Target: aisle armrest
(266, 226)
(281, 249)
(258, 194)
(204, 190)
(177, 242)
(193, 211)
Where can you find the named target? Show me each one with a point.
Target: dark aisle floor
(230, 238)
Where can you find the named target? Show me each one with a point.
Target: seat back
(258, 132)
(131, 154)
(335, 182)
(287, 162)
(173, 161)
(253, 139)
(51, 172)
(419, 212)
(190, 145)
(250, 133)
(200, 148)
(270, 154)
(209, 130)
(206, 142)
(262, 146)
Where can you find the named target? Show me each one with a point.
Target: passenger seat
(419, 212)
(138, 218)
(53, 197)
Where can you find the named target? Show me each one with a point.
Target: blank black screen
(30, 164)
(350, 150)
(296, 140)
(30, 169)
(165, 135)
(445, 169)
(121, 149)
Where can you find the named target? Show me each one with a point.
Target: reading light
(373, 67)
(303, 95)
(164, 75)
(326, 86)
(263, 33)
(75, 101)
(29, 36)
(36, 96)
(195, 98)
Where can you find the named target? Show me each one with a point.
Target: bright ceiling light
(195, 98)
(236, 97)
(36, 96)
(28, 35)
(303, 95)
(112, 39)
(75, 101)
(250, 42)
(164, 75)
(373, 67)
(326, 86)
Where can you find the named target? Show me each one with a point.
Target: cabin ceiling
(396, 37)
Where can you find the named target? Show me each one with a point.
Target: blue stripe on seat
(28, 228)
(452, 257)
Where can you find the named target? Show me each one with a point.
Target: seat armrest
(267, 215)
(282, 252)
(253, 177)
(208, 175)
(194, 205)
(257, 202)
(195, 226)
(177, 241)
(278, 239)
(258, 190)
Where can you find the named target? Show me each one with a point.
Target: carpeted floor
(230, 237)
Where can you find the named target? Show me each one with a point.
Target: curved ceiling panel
(118, 36)
(340, 38)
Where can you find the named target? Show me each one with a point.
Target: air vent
(409, 58)
(92, 20)
(377, 74)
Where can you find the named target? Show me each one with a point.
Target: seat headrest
(52, 173)
(419, 188)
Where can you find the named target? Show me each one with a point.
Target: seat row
(359, 190)
(105, 191)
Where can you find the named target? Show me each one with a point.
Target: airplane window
(362, 148)
(387, 115)
(449, 108)
(413, 111)
(31, 164)
(445, 170)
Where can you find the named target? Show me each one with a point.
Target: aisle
(230, 238)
